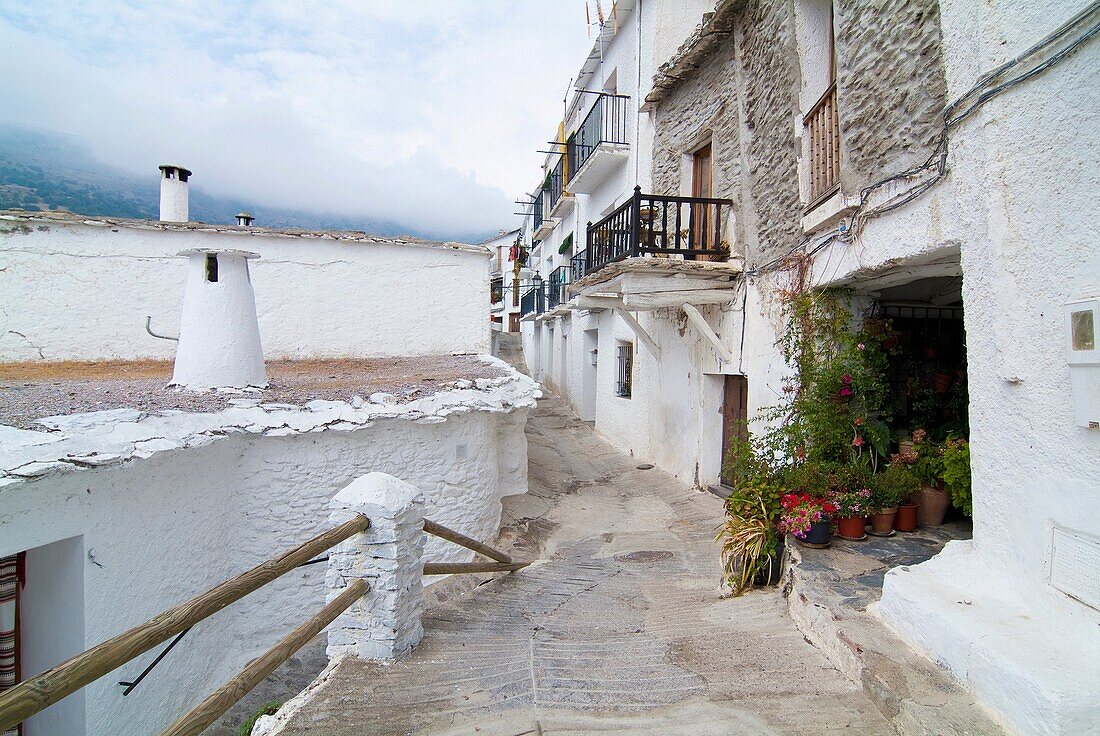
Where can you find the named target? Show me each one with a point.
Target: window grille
(625, 376)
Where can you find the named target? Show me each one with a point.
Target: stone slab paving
(620, 627)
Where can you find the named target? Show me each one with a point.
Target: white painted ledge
(1031, 656)
(93, 439)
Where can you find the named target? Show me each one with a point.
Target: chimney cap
(244, 214)
(182, 169)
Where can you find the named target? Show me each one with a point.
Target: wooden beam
(463, 541)
(703, 328)
(645, 283)
(195, 721)
(594, 302)
(39, 692)
(459, 568)
(639, 331)
(669, 299)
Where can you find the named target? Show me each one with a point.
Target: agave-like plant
(749, 542)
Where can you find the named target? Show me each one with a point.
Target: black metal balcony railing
(650, 224)
(578, 265)
(533, 300)
(537, 208)
(555, 184)
(559, 279)
(606, 122)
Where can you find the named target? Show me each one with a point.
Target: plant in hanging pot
(752, 545)
(890, 488)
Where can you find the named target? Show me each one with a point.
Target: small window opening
(212, 267)
(625, 369)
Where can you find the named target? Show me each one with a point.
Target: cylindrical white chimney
(219, 343)
(173, 193)
(245, 219)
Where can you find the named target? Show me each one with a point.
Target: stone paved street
(619, 628)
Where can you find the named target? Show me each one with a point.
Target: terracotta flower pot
(883, 521)
(943, 382)
(906, 518)
(850, 528)
(933, 505)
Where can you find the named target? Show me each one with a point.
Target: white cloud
(428, 113)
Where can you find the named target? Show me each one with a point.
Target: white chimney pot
(219, 343)
(173, 193)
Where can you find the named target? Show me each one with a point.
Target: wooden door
(513, 322)
(735, 417)
(701, 186)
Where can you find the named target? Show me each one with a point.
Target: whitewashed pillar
(385, 623)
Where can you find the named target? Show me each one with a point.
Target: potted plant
(851, 495)
(752, 546)
(956, 473)
(932, 499)
(808, 518)
(890, 488)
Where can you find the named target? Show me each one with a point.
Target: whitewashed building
(75, 287)
(936, 159)
(121, 497)
(506, 279)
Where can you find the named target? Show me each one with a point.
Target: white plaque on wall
(1075, 566)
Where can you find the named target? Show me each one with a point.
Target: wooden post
(458, 568)
(39, 692)
(463, 541)
(211, 709)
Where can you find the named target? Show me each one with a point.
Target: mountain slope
(47, 170)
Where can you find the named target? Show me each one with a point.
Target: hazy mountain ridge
(44, 170)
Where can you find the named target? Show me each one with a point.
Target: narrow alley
(620, 627)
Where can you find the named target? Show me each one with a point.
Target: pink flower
(860, 346)
(859, 421)
(847, 379)
(857, 442)
(845, 391)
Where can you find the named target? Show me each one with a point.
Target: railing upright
(635, 222)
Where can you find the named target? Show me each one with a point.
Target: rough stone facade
(769, 69)
(703, 107)
(755, 152)
(891, 87)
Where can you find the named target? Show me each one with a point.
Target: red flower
(857, 442)
(859, 421)
(847, 379)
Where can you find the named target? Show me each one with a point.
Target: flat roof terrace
(32, 390)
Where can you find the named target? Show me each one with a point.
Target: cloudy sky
(419, 111)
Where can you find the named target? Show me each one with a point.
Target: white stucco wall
(1028, 650)
(76, 291)
(205, 497)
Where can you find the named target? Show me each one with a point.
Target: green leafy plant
(926, 458)
(750, 542)
(955, 462)
(267, 709)
(893, 486)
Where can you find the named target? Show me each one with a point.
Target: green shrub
(268, 709)
(956, 473)
(893, 486)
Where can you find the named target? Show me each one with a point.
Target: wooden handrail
(459, 568)
(463, 541)
(213, 707)
(40, 692)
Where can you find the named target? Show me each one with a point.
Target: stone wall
(747, 46)
(890, 85)
(769, 69)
